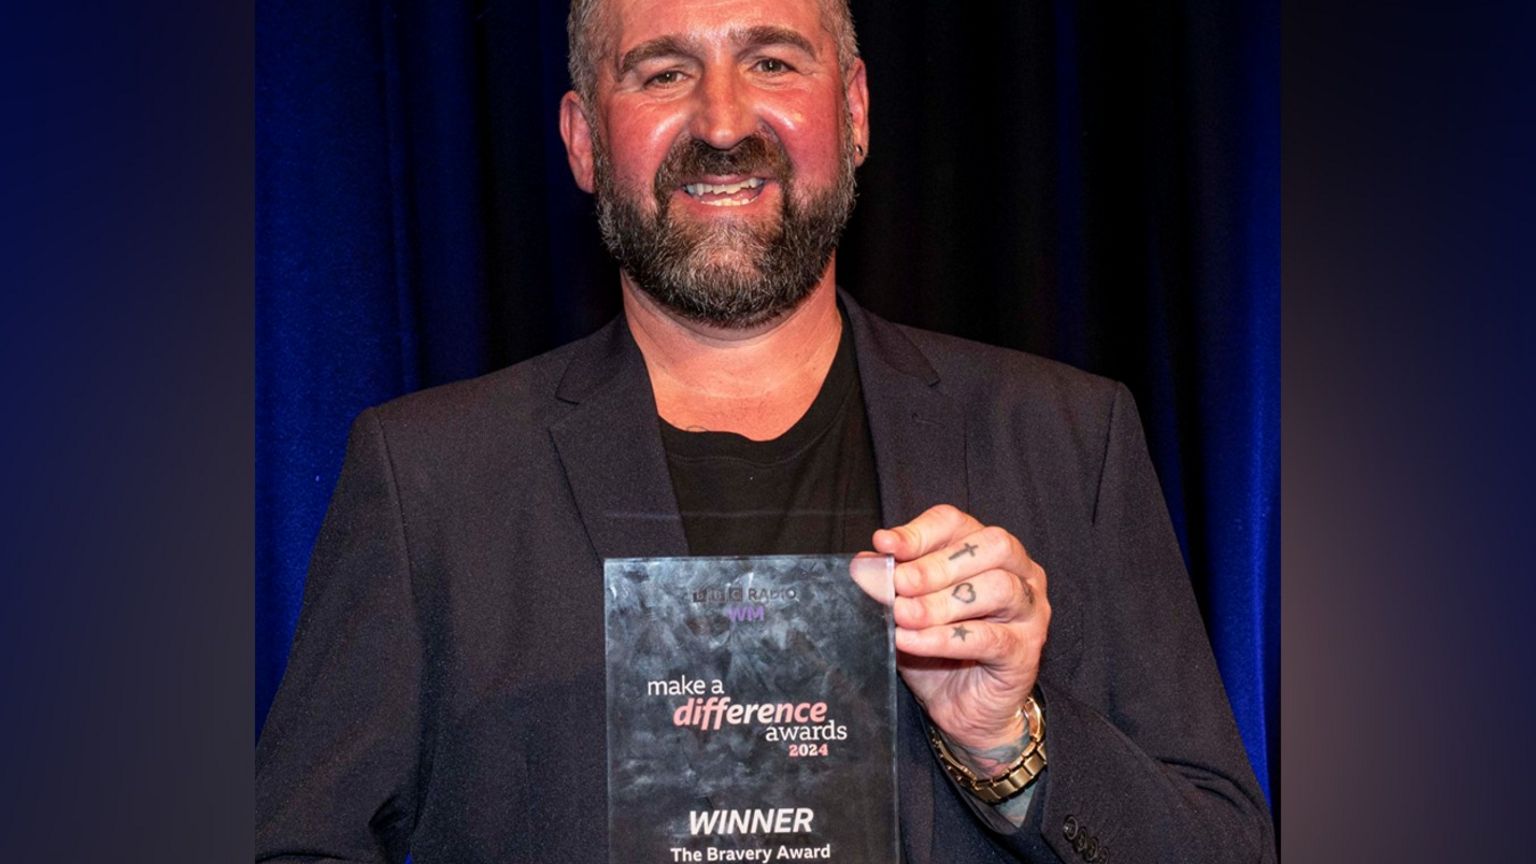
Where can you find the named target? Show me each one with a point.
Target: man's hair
(585, 25)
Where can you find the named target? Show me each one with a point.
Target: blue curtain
(1096, 183)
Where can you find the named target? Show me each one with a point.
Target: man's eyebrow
(673, 45)
(661, 46)
(767, 34)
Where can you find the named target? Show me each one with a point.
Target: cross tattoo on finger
(967, 550)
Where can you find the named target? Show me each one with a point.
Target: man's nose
(725, 114)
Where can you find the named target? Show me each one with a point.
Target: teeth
(697, 189)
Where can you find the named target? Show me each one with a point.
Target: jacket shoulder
(1006, 377)
(1041, 422)
(487, 410)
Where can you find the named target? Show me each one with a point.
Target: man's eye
(662, 79)
(773, 66)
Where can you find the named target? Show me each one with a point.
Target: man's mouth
(734, 194)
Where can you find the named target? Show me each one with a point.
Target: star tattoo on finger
(965, 592)
(961, 633)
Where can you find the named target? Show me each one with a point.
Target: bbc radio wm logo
(743, 614)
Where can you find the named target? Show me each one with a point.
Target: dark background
(1095, 182)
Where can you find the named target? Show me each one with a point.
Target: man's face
(722, 152)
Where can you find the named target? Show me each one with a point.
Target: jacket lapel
(610, 447)
(920, 457)
(918, 432)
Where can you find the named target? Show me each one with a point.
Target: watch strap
(1024, 769)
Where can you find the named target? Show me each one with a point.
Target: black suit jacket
(445, 692)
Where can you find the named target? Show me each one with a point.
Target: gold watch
(1018, 776)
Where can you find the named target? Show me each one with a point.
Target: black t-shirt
(812, 490)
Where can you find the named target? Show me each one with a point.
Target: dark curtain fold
(1092, 182)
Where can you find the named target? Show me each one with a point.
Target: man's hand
(971, 617)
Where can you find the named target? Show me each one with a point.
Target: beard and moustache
(728, 273)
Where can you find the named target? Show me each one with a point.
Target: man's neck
(755, 382)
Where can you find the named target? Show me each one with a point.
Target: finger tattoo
(961, 633)
(968, 550)
(965, 592)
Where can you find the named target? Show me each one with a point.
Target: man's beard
(729, 273)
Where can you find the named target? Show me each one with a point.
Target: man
(445, 691)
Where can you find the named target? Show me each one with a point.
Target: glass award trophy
(751, 710)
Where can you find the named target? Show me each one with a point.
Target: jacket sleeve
(336, 762)
(1146, 763)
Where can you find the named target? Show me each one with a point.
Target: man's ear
(577, 134)
(857, 93)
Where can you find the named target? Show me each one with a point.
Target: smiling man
(445, 690)
(728, 216)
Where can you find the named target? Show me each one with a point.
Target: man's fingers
(982, 641)
(975, 552)
(936, 527)
(992, 594)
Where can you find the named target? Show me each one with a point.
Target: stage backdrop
(1095, 181)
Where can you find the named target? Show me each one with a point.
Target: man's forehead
(631, 22)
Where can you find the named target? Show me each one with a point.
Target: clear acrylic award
(751, 710)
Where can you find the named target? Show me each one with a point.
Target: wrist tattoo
(993, 759)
